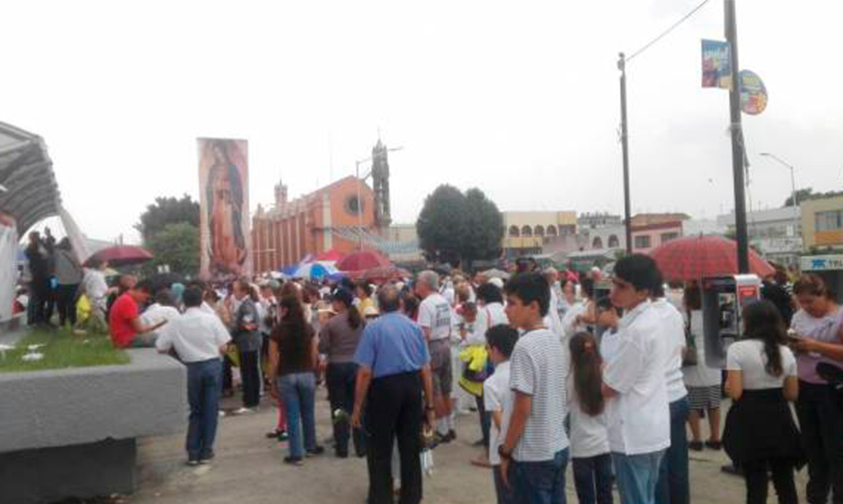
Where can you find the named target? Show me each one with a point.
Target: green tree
(167, 210)
(459, 228)
(801, 195)
(483, 228)
(177, 245)
(439, 225)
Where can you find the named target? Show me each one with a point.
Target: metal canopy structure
(26, 173)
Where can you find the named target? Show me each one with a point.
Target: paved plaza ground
(248, 469)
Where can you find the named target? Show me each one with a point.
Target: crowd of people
(607, 374)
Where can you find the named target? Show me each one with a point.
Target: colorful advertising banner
(753, 93)
(224, 199)
(716, 65)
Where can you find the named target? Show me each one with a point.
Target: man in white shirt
(162, 309)
(97, 291)
(673, 486)
(435, 321)
(634, 383)
(199, 340)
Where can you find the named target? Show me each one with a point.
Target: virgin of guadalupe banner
(716, 65)
(224, 200)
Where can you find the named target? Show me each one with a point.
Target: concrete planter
(71, 432)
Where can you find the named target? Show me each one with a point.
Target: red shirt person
(124, 323)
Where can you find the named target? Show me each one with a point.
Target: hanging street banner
(753, 93)
(224, 201)
(716, 65)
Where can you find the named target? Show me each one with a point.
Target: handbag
(691, 356)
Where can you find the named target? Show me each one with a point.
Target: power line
(667, 32)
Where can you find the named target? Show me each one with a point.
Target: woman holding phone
(817, 336)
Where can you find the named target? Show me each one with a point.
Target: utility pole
(738, 157)
(625, 146)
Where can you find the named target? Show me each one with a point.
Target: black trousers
(755, 473)
(250, 375)
(394, 410)
(67, 306)
(340, 379)
(227, 379)
(41, 296)
(821, 424)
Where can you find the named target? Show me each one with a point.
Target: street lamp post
(794, 203)
(625, 147)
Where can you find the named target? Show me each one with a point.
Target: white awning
(26, 172)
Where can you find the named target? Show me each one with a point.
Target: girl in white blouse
(761, 436)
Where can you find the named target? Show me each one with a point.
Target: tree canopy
(809, 194)
(167, 210)
(459, 228)
(170, 230)
(177, 246)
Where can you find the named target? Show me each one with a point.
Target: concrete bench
(71, 432)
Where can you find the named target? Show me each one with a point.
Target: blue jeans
(593, 479)
(540, 482)
(204, 380)
(673, 487)
(637, 476)
(298, 390)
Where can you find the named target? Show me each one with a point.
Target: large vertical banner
(224, 199)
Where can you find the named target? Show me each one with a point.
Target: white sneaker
(243, 411)
(221, 413)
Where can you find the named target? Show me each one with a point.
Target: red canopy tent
(330, 255)
(361, 261)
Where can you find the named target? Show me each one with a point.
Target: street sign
(822, 263)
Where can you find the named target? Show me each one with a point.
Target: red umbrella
(385, 273)
(364, 260)
(122, 255)
(695, 257)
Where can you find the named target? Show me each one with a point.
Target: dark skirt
(760, 426)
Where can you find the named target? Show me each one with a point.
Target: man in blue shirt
(394, 369)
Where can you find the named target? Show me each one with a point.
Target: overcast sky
(519, 99)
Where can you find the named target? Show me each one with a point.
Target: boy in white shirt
(634, 383)
(497, 397)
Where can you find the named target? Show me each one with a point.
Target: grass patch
(62, 349)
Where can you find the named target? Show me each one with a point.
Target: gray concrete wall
(45, 409)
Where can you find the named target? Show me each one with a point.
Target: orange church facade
(311, 224)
